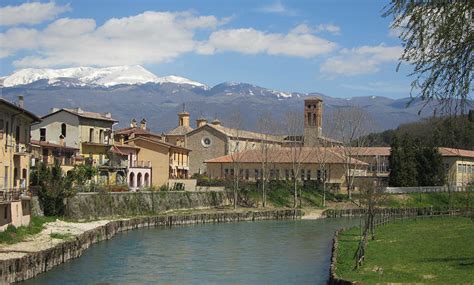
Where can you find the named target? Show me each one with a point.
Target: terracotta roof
(242, 134)
(49, 144)
(84, 114)
(115, 149)
(446, 151)
(21, 110)
(136, 131)
(180, 131)
(385, 151)
(158, 142)
(284, 155)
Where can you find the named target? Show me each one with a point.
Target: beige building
(315, 164)
(458, 163)
(15, 154)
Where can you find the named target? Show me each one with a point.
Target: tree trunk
(295, 194)
(236, 186)
(264, 196)
(324, 194)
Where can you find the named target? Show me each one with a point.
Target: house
(166, 162)
(15, 156)
(89, 132)
(458, 163)
(316, 164)
(50, 153)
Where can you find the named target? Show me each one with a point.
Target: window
(42, 134)
(308, 174)
(101, 136)
(277, 174)
(2, 124)
(226, 172)
(63, 129)
(17, 134)
(5, 212)
(206, 142)
(302, 175)
(287, 174)
(91, 135)
(247, 174)
(256, 174)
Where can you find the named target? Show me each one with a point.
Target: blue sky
(339, 48)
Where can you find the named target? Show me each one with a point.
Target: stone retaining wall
(99, 205)
(32, 264)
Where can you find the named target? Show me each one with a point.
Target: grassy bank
(437, 200)
(431, 251)
(13, 234)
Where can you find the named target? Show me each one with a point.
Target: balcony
(21, 149)
(15, 194)
(140, 164)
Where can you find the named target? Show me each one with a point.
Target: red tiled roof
(158, 142)
(136, 131)
(22, 110)
(49, 144)
(285, 155)
(446, 151)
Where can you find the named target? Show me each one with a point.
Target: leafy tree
(82, 174)
(430, 167)
(439, 42)
(54, 187)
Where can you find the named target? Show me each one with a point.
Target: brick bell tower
(313, 120)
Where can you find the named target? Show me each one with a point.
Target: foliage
(439, 42)
(427, 251)
(82, 175)
(203, 180)
(66, 236)
(54, 188)
(13, 234)
(455, 132)
(413, 164)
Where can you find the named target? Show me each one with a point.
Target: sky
(338, 48)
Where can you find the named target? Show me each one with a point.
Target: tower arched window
(63, 129)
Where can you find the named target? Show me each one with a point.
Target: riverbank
(432, 250)
(61, 241)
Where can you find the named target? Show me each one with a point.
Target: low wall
(359, 212)
(425, 189)
(32, 264)
(98, 205)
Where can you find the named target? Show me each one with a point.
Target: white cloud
(297, 43)
(361, 60)
(276, 8)
(330, 28)
(30, 13)
(150, 37)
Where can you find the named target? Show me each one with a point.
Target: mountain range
(134, 92)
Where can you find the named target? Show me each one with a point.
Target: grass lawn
(430, 251)
(437, 200)
(14, 235)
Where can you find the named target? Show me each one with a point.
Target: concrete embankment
(22, 264)
(99, 205)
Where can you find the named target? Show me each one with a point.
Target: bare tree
(236, 147)
(351, 126)
(297, 153)
(266, 125)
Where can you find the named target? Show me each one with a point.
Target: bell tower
(313, 120)
(183, 117)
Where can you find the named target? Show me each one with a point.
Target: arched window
(139, 180)
(132, 180)
(63, 129)
(147, 180)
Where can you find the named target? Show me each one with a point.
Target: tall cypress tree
(394, 178)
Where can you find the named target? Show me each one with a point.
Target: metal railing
(8, 195)
(425, 189)
(140, 163)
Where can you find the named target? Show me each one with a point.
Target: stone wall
(31, 264)
(97, 205)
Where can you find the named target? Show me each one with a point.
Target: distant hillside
(456, 132)
(133, 92)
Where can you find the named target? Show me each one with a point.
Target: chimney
(216, 122)
(143, 124)
(53, 110)
(108, 115)
(201, 122)
(78, 110)
(122, 139)
(21, 101)
(133, 123)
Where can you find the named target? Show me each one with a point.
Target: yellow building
(167, 161)
(15, 156)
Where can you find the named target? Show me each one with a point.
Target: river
(264, 252)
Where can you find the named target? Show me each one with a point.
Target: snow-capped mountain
(90, 76)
